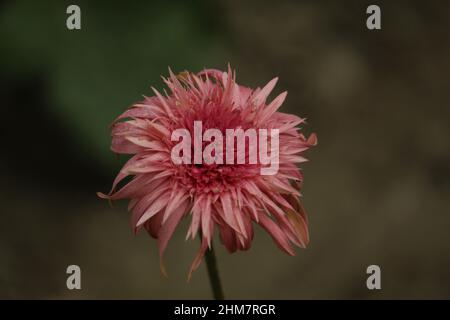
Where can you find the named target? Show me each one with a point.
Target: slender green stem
(213, 272)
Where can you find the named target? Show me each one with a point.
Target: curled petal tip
(102, 195)
(312, 139)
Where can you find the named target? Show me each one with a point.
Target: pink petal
(174, 202)
(155, 207)
(228, 238)
(261, 96)
(276, 233)
(206, 220)
(167, 228)
(198, 258)
(271, 108)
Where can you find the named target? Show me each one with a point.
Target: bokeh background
(376, 188)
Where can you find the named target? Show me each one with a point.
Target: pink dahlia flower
(229, 197)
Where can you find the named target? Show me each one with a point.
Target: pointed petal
(261, 96)
(227, 207)
(198, 258)
(276, 233)
(156, 207)
(167, 228)
(206, 220)
(174, 202)
(163, 102)
(268, 111)
(228, 238)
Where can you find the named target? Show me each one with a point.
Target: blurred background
(376, 188)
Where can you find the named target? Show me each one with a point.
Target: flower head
(229, 197)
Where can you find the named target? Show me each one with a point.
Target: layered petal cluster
(229, 198)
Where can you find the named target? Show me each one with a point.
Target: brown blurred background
(376, 188)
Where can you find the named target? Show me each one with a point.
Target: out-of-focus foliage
(94, 73)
